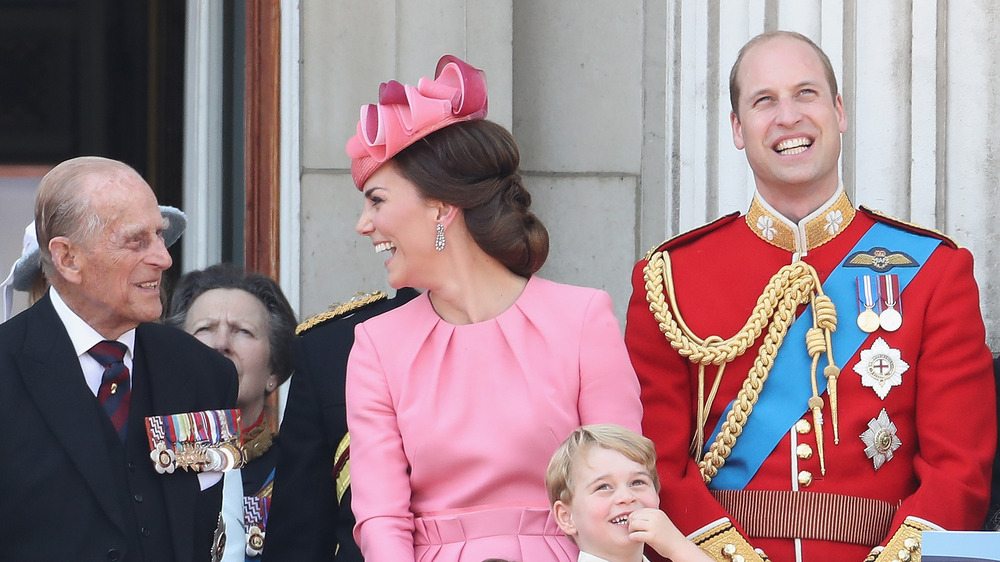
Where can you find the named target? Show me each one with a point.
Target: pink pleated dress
(452, 427)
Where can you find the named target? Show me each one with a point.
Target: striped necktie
(115, 390)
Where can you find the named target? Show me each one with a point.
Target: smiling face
(789, 122)
(402, 223)
(607, 487)
(235, 323)
(116, 271)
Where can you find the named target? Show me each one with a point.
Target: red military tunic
(943, 409)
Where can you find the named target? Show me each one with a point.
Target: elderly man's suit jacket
(70, 489)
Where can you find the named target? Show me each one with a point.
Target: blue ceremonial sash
(788, 388)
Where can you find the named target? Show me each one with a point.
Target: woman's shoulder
(403, 317)
(563, 303)
(544, 290)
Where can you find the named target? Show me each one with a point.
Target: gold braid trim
(724, 543)
(342, 466)
(790, 287)
(359, 300)
(929, 231)
(257, 441)
(904, 545)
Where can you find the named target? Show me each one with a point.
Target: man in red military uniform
(814, 376)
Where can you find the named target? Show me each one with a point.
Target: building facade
(621, 112)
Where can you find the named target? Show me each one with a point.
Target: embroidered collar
(821, 226)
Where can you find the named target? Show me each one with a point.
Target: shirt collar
(816, 229)
(82, 334)
(588, 557)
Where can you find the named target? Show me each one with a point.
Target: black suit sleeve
(304, 500)
(305, 522)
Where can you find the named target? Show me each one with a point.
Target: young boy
(604, 495)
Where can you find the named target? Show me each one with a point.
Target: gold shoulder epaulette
(909, 226)
(691, 234)
(339, 310)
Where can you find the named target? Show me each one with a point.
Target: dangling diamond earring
(439, 238)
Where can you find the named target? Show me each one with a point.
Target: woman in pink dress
(457, 399)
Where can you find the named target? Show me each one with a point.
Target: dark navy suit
(70, 488)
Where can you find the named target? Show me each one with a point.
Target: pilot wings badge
(880, 259)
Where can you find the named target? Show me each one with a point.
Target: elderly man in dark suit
(82, 368)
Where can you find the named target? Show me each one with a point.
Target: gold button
(805, 478)
(803, 427)
(904, 555)
(804, 451)
(911, 544)
(738, 558)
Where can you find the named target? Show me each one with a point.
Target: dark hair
(734, 83)
(280, 318)
(473, 165)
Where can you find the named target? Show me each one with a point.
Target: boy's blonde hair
(635, 447)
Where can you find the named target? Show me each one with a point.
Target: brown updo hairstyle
(473, 166)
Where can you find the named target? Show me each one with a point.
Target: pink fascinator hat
(405, 114)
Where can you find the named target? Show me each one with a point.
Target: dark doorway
(95, 77)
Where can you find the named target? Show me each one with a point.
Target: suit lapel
(170, 393)
(55, 382)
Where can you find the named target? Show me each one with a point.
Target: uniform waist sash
(784, 514)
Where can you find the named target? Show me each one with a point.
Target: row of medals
(197, 456)
(889, 319)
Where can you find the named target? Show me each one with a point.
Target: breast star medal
(880, 439)
(868, 319)
(881, 368)
(219, 540)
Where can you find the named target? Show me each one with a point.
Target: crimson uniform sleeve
(955, 412)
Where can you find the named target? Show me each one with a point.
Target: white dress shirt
(85, 337)
(587, 557)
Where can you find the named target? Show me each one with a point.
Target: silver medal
(890, 319)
